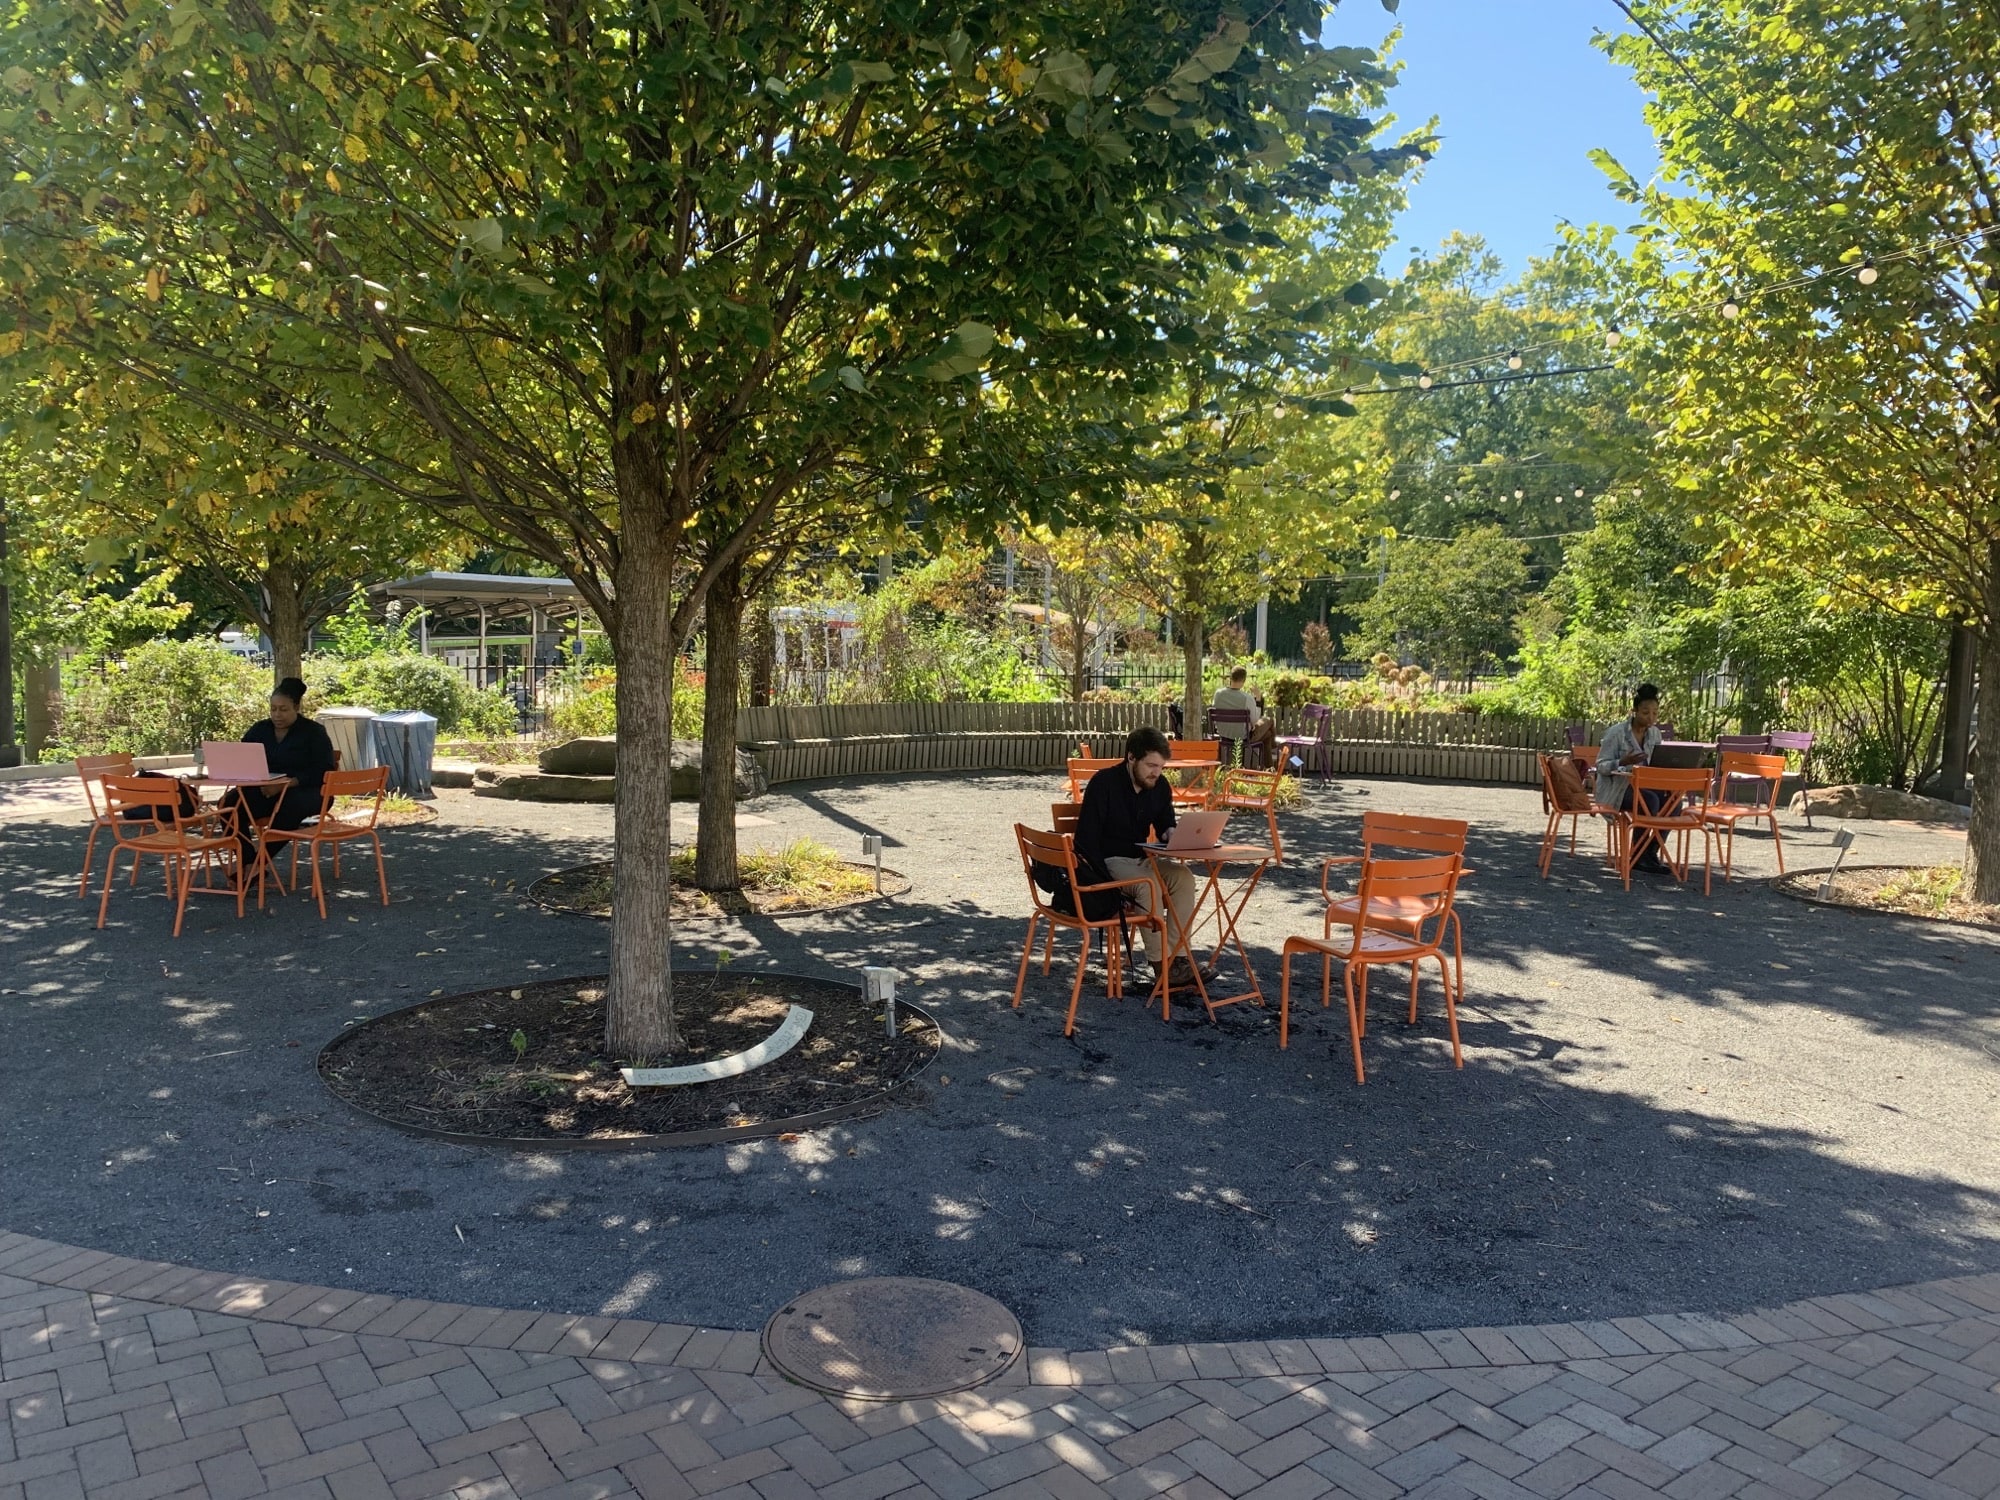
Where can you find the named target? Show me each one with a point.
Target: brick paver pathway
(130, 1380)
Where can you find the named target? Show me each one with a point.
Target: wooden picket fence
(880, 739)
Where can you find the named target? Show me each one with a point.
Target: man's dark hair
(1647, 693)
(1240, 674)
(1145, 741)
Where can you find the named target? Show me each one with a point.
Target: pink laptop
(235, 761)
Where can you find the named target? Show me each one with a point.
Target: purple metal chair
(1799, 741)
(1313, 749)
(1237, 745)
(1736, 744)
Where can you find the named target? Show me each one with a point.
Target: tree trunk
(43, 692)
(1191, 647)
(10, 753)
(1961, 672)
(715, 837)
(638, 1008)
(1079, 658)
(284, 593)
(763, 651)
(1982, 844)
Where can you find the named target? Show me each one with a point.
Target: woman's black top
(305, 753)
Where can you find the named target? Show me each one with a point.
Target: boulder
(533, 784)
(558, 779)
(1877, 802)
(592, 755)
(687, 773)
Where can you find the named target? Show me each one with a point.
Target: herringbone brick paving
(128, 1380)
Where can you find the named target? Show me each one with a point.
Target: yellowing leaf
(643, 413)
(355, 148)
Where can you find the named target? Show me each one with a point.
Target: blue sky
(1521, 98)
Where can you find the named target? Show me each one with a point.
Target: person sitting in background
(294, 746)
(1127, 805)
(1628, 743)
(1262, 732)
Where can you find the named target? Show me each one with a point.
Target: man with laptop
(1130, 805)
(1628, 743)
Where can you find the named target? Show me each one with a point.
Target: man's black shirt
(1116, 815)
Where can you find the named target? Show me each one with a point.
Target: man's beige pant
(1181, 891)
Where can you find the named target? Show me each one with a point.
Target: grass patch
(802, 876)
(1933, 891)
(804, 873)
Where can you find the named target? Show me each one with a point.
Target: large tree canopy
(1824, 344)
(612, 260)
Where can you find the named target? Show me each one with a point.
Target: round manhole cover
(892, 1338)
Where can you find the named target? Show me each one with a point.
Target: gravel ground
(1669, 1101)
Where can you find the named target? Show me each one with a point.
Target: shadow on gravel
(1140, 1182)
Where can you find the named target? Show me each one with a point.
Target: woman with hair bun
(294, 746)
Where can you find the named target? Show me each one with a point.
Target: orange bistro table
(1194, 787)
(1220, 905)
(240, 814)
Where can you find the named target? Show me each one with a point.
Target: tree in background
(1082, 590)
(1828, 177)
(1451, 605)
(1502, 436)
(283, 539)
(604, 264)
(1247, 479)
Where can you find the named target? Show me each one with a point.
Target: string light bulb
(1579, 492)
(1514, 360)
(1424, 381)
(1395, 494)
(1613, 337)
(1868, 272)
(1731, 309)
(1519, 494)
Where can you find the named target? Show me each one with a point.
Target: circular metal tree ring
(892, 1338)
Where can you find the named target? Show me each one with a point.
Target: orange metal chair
(1427, 885)
(1063, 816)
(1765, 773)
(1238, 790)
(1083, 767)
(1407, 833)
(1055, 849)
(1683, 812)
(1552, 834)
(335, 831)
(179, 842)
(91, 770)
(1200, 783)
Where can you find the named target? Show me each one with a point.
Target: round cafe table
(238, 816)
(1217, 902)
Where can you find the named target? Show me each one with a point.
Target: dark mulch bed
(586, 892)
(451, 1064)
(1929, 893)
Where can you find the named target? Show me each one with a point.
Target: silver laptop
(1194, 830)
(231, 761)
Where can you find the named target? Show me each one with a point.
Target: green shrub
(583, 700)
(395, 681)
(162, 698)
(1289, 690)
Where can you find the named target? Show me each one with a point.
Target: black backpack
(1098, 906)
(176, 794)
